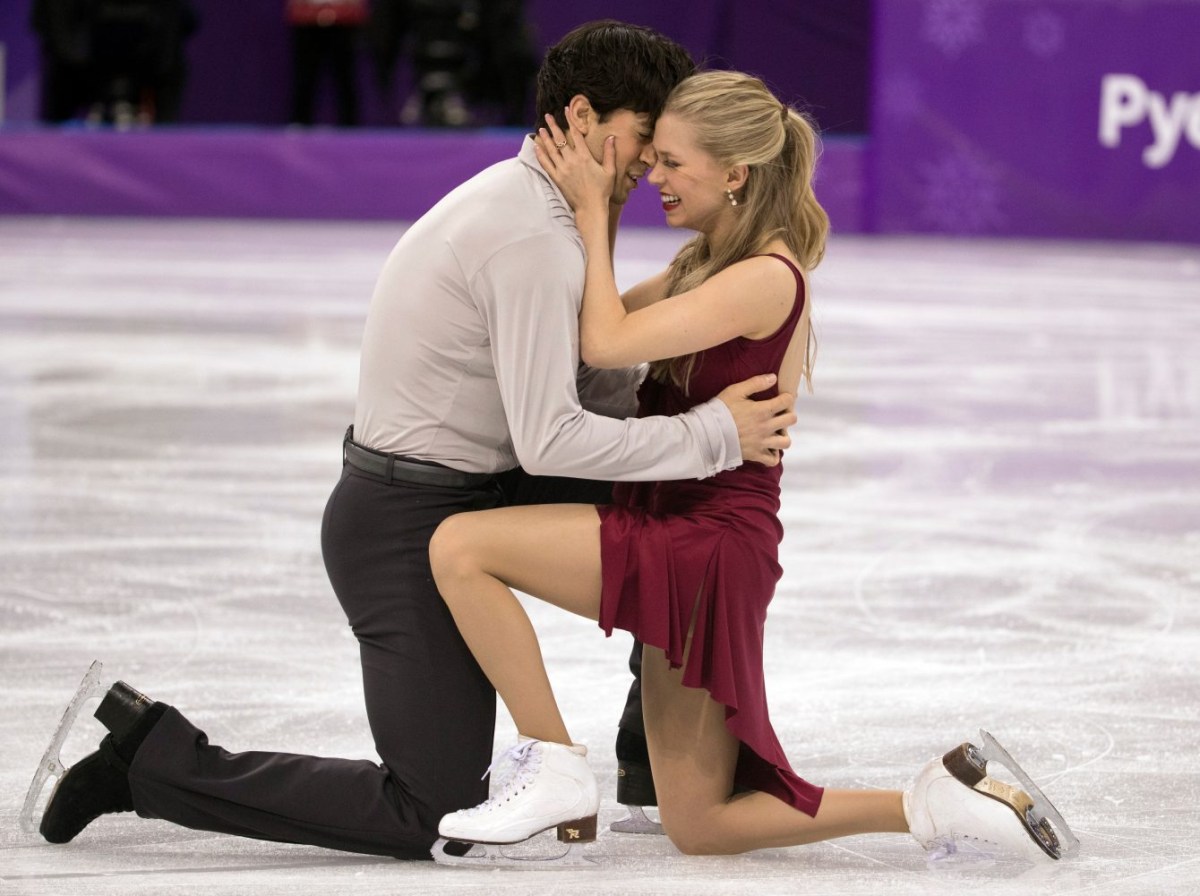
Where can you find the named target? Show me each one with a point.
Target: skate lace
(515, 768)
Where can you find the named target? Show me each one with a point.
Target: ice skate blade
(636, 822)
(493, 855)
(51, 765)
(1042, 821)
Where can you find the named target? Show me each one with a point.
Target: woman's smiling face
(690, 182)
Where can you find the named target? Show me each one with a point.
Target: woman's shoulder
(778, 251)
(772, 267)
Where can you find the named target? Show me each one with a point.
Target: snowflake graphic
(953, 25)
(962, 194)
(1045, 34)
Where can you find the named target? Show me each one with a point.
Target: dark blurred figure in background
(463, 52)
(325, 31)
(387, 28)
(66, 51)
(138, 59)
(118, 62)
(440, 36)
(505, 61)
(441, 39)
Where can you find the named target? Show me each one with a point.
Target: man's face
(634, 151)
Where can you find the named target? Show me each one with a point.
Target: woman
(688, 567)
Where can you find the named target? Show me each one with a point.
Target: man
(469, 371)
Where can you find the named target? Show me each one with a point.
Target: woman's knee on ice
(691, 840)
(693, 833)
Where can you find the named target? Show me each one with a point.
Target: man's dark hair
(615, 65)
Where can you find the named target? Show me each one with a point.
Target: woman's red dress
(708, 550)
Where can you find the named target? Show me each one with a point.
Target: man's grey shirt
(471, 350)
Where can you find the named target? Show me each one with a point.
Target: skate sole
(1041, 820)
(51, 764)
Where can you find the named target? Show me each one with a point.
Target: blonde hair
(738, 121)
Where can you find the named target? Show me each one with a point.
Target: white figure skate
(51, 765)
(548, 786)
(954, 805)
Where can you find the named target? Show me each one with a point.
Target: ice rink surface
(992, 509)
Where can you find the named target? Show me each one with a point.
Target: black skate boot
(98, 784)
(635, 781)
(635, 784)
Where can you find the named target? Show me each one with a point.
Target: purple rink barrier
(333, 174)
(231, 172)
(1058, 118)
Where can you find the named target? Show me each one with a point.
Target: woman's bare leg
(551, 552)
(693, 756)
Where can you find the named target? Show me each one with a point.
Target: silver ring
(560, 145)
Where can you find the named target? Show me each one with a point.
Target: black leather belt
(395, 468)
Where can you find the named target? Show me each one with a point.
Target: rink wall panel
(362, 175)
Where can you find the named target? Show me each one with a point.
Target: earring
(729, 195)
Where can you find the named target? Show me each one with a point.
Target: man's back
(428, 385)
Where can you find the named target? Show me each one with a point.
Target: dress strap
(787, 261)
(801, 292)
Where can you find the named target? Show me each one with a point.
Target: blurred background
(1042, 118)
(243, 56)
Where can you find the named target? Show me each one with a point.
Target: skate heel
(582, 830)
(964, 764)
(121, 709)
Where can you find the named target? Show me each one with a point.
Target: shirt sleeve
(609, 393)
(529, 294)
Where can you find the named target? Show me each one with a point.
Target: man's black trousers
(430, 708)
